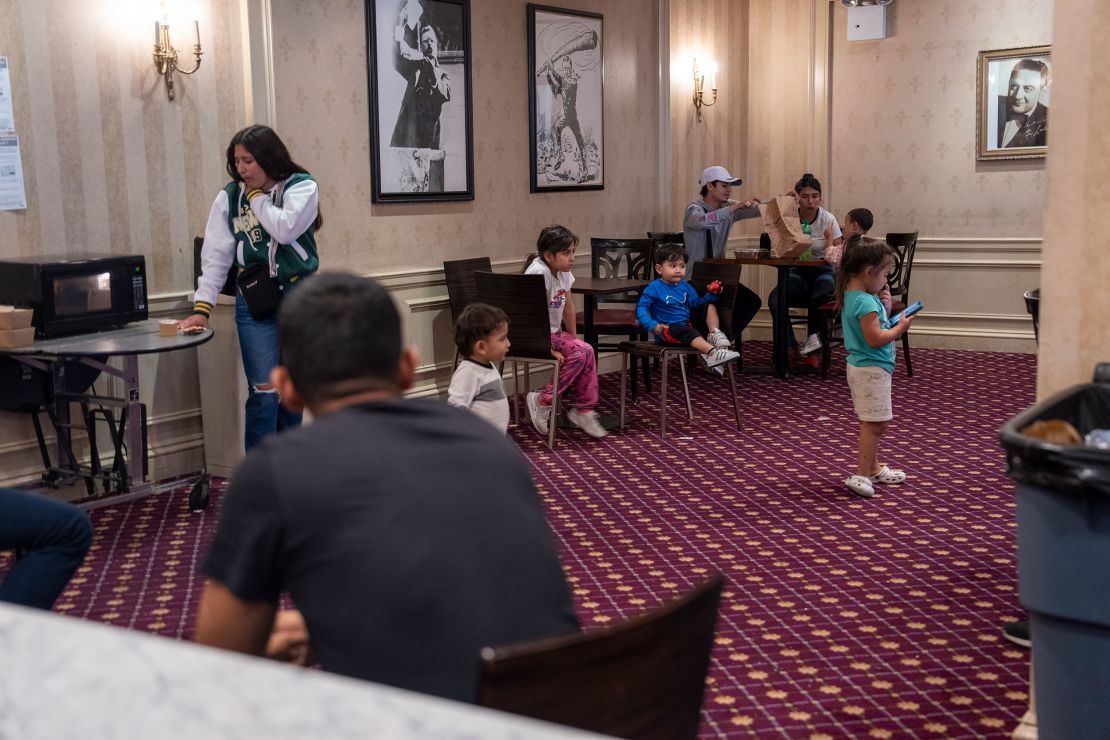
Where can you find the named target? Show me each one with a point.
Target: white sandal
(889, 475)
(860, 485)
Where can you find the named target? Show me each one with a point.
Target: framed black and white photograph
(565, 96)
(1011, 119)
(421, 146)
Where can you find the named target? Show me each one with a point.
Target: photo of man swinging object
(563, 80)
(566, 96)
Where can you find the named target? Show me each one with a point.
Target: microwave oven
(76, 294)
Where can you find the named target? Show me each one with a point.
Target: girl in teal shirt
(864, 300)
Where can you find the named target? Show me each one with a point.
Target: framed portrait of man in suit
(421, 142)
(1011, 118)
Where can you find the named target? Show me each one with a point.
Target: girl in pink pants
(577, 364)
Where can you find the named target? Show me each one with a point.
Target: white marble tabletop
(61, 677)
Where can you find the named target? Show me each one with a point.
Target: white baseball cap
(717, 172)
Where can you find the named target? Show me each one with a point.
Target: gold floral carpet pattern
(842, 617)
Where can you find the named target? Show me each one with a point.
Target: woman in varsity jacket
(266, 217)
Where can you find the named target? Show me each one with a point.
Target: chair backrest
(643, 678)
(621, 258)
(461, 291)
(1033, 306)
(705, 272)
(903, 245)
(523, 298)
(229, 285)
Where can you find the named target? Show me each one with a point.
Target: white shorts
(870, 393)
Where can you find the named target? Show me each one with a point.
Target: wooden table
(591, 288)
(781, 366)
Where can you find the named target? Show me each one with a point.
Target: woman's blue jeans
(258, 343)
(807, 287)
(51, 538)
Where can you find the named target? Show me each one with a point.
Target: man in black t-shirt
(409, 533)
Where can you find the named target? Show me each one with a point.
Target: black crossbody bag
(258, 283)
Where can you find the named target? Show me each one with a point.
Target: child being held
(482, 336)
(667, 304)
(864, 301)
(857, 221)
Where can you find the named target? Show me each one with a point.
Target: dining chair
(642, 678)
(904, 244)
(461, 290)
(1033, 306)
(523, 298)
(667, 237)
(705, 272)
(615, 315)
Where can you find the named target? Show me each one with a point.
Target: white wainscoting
(972, 289)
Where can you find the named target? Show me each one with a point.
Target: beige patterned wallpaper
(322, 113)
(903, 121)
(110, 164)
(709, 30)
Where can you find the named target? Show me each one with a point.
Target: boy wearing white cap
(705, 228)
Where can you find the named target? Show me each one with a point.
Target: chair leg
(516, 394)
(551, 423)
(663, 400)
(735, 398)
(826, 345)
(906, 354)
(624, 371)
(686, 389)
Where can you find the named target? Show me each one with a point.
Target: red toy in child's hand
(715, 287)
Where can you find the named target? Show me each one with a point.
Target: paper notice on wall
(12, 194)
(7, 118)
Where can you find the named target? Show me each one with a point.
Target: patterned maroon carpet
(843, 617)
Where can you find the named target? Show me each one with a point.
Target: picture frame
(566, 96)
(1011, 122)
(421, 128)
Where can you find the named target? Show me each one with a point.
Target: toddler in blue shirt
(668, 303)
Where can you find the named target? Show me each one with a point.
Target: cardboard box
(17, 337)
(15, 318)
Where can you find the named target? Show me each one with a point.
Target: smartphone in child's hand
(908, 312)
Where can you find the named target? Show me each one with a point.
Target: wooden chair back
(705, 272)
(524, 299)
(903, 244)
(643, 678)
(621, 258)
(461, 290)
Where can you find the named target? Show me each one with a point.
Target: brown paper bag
(780, 220)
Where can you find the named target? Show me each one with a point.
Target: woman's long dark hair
(271, 155)
(552, 240)
(860, 252)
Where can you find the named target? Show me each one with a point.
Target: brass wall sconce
(165, 56)
(699, 84)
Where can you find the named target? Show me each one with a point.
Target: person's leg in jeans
(577, 374)
(797, 294)
(258, 343)
(55, 537)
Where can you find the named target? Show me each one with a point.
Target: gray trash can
(1063, 536)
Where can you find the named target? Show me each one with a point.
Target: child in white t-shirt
(577, 364)
(482, 336)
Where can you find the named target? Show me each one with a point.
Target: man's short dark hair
(339, 334)
(670, 252)
(1032, 65)
(862, 218)
(476, 322)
